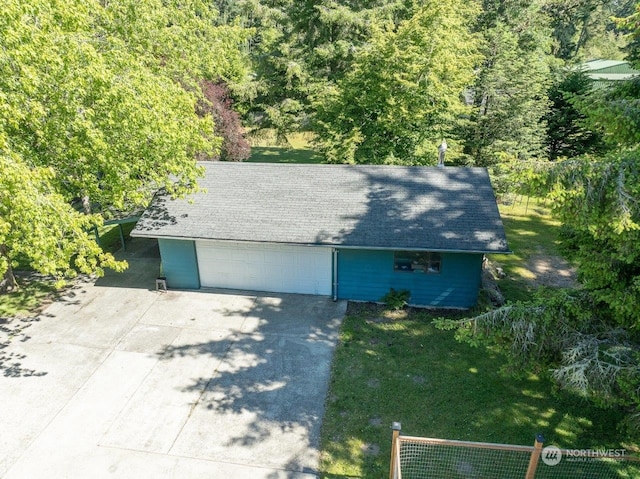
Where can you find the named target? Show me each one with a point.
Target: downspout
(334, 288)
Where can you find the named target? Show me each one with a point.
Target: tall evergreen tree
(509, 96)
(300, 47)
(567, 134)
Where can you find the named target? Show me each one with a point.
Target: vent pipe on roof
(441, 151)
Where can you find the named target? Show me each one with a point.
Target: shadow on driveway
(265, 401)
(179, 384)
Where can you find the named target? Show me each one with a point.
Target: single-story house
(347, 231)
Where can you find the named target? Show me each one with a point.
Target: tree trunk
(8, 281)
(86, 205)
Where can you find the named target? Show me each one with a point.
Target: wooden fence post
(396, 426)
(535, 457)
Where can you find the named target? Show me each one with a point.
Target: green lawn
(276, 154)
(27, 299)
(110, 236)
(398, 367)
(530, 230)
(264, 149)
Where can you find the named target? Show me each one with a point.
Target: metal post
(121, 231)
(396, 426)
(535, 457)
(334, 286)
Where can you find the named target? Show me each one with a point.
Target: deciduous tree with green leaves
(98, 103)
(403, 92)
(38, 226)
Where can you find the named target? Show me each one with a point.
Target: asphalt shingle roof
(429, 208)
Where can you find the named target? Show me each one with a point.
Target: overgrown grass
(530, 230)
(110, 236)
(392, 368)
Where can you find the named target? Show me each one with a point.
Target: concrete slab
(148, 338)
(117, 380)
(264, 405)
(41, 380)
(156, 413)
(295, 314)
(200, 310)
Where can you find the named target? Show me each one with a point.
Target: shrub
(396, 299)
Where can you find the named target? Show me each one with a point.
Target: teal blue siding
(179, 263)
(367, 275)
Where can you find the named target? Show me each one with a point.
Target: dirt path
(551, 270)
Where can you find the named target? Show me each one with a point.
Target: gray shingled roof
(445, 209)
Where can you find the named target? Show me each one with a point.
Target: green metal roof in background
(605, 71)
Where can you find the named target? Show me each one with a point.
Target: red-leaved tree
(219, 104)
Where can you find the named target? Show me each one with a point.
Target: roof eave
(326, 245)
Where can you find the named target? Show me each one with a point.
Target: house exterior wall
(179, 263)
(367, 275)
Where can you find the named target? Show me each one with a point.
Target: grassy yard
(27, 299)
(278, 154)
(110, 236)
(531, 232)
(264, 149)
(398, 367)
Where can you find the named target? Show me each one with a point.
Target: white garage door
(265, 267)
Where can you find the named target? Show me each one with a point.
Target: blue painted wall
(179, 263)
(367, 275)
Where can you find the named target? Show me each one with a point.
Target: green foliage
(37, 224)
(567, 135)
(597, 200)
(180, 39)
(300, 47)
(509, 94)
(97, 103)
(396, 299)
(631, 25)
(615, 111)
(535, 332)
(566, 333)
(584, 28)
(403, 90)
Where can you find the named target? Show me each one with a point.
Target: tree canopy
(403, 91)
(588, 337)
(98, 102)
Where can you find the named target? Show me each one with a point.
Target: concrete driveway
(117, 380)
